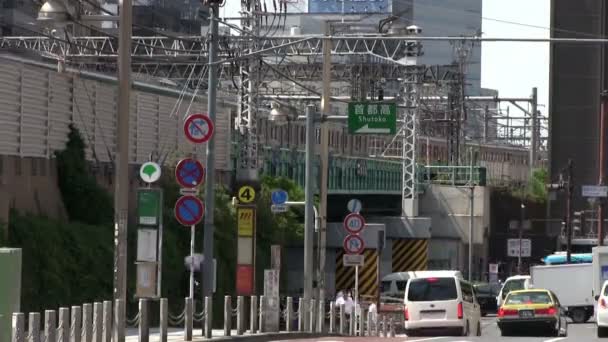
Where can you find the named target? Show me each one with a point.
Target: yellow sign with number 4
(246, 194)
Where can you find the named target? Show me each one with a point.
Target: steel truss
(177, 48)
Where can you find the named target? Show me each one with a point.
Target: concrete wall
(30, 185)
(449, 208)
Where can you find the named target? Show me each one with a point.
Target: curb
(273, 336)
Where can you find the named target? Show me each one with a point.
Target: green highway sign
(372, 118)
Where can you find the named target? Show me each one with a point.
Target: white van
(514, 283)
(441, 300)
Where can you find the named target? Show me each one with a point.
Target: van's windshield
(432, 289)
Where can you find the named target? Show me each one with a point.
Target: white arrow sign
(366, 129)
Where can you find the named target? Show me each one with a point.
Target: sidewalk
(177, 334)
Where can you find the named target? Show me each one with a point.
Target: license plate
(432, 314)
(526, 313)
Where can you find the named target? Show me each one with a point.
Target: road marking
(555, 339)
(428, 339)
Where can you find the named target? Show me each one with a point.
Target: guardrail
(98, 322)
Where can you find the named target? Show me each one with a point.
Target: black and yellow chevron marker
(368, 274)
(410, 255)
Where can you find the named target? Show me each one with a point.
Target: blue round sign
(189, 210)
(279, 197)
(189, 173)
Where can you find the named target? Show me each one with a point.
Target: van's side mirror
(597, 297)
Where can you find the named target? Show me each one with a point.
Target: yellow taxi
(532, 310)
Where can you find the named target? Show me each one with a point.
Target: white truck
(573, 285)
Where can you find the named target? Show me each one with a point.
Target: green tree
(84, 200)
(535, 188)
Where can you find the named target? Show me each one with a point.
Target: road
(490, 333)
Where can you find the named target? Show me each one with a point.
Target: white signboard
(595, 191)
(351, 260)
(513, 247)
(278, 208)
(146, 245)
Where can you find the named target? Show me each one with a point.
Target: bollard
(359, 327)
(63, 331)
(253, 315)
(369, 325)
(301, 314)
(288, 314)
(119, 321)
(97, 322)
(311, 315)
(208, 317)
(227, 315)
(261, 317)
(332, 317)
(107, 321)
(18, 327)
(342, 320)
(76, 324)
(87, 323)
(144, 329)
(384, 326)
(50, 326)
(240, 315)
(188, 319)
(391, 327)
(321, 317)
(34, 327)
(164, 314)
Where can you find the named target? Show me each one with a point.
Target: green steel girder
(354, 175)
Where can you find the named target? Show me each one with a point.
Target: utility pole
(209, 228)
(602, 166)
(121, 184)
(471, 224)
(471, 215)
(324, 151)
(309, 219)
(520, 233)
(534, 127)
(570, 192)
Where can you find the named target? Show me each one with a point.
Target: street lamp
(280, 114)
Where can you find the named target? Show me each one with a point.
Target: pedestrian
(372, 313)
(340, 299)
(349, 306)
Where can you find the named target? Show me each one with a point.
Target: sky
(514, 68)
(511, 68)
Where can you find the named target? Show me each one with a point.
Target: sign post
(372, 118)
(246, 216)
(278, 199)
(149, 234)
(353, 244)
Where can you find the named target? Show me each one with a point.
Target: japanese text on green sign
(372, 118)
